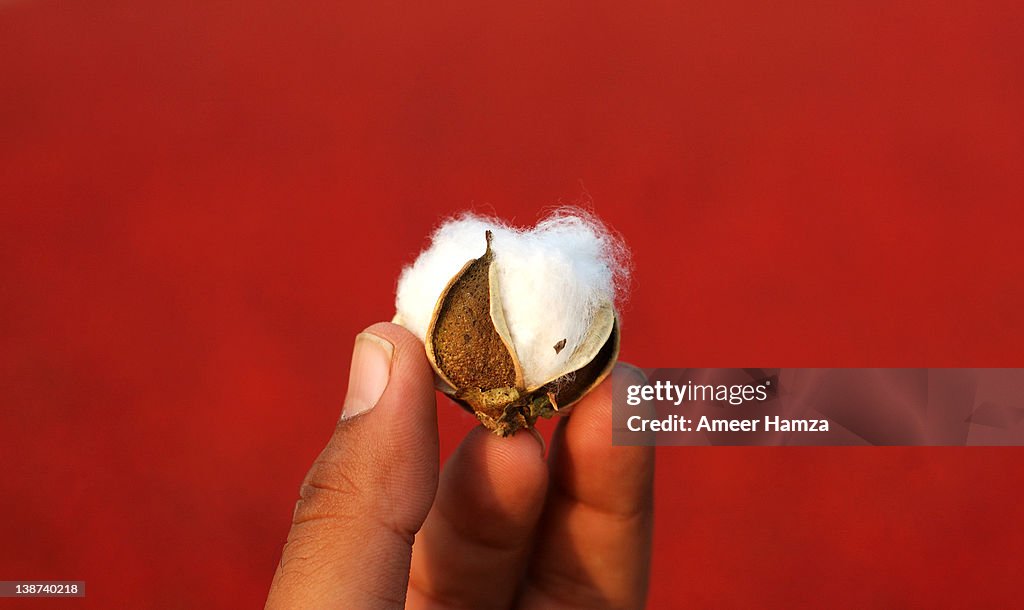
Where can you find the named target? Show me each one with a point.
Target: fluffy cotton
(553, 278)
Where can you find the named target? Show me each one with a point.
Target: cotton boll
(553, 279)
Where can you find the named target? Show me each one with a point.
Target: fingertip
(591, 420)
(409, 353)
(511, 470)
(408, 400)
(584, 458)
(520, 455)
(393, 332)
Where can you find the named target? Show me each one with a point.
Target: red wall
(201, 205)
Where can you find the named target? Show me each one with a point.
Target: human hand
(375, 528)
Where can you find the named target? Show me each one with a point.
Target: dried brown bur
(469, 345)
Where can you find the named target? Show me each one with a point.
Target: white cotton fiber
(553, 278)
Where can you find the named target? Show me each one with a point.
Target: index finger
(595, 546)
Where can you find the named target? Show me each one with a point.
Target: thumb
(370, 489)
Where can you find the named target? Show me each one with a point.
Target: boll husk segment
(558, 285)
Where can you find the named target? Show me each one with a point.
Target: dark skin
(377, 525)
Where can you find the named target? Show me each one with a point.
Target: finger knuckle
(327, 492)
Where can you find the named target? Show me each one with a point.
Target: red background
(202, 203)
